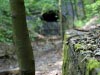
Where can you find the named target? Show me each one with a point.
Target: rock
(81, 53)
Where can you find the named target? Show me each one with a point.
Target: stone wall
(81, 52)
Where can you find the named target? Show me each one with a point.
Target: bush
(93, 9)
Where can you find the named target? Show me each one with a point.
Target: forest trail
(49, 64)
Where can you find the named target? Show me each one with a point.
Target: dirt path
(49, 64)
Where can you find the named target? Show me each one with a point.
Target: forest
(49, 37)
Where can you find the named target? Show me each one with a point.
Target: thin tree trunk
(83, 7)
(73, 12)
(60, 19)
(65, 66)
(75, 9)
(23, 46)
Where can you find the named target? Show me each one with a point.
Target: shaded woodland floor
(48, 61)
(49, 64)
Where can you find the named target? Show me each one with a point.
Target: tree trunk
(65, 57)
(60, 19)
(83, 7)
(73, 12)
(23, 46)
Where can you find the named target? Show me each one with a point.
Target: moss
(77, 47)
(65, 60)
(65, 56)
(99, 73)
(92, 64)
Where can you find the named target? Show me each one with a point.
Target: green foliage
(42, 5)
(31, 6)
(79, 23)
(4, 12)
(4, 5)
(5, 22)
(92, 64)
(93, 9)
(48, 4)
(5, 35)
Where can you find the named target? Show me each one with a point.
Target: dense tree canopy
(91, 8)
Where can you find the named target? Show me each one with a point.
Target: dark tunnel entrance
(50, 16)
(50, 25)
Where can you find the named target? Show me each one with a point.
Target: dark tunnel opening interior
(50, 16)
